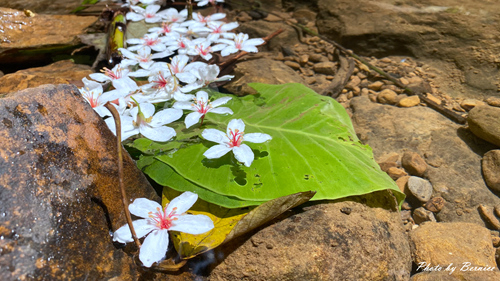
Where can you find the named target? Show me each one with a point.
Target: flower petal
(214, 135)
(216, 151)
(154, 247)
(235, 124)
(141, 207)
(192, 224)
(243, 154)
(192, 118)
(221, 110)
(184, 105)
(256, 137)
(166, 116)
(141, 227)
(147, 109)
(220, 101)
(182, 202)
(160, 134)
(202, 96)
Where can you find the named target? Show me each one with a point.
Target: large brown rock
(60, 198)
(61, 72)
(352, 239)
(453, 154)
(452, 243)
(27, 38)
(484, 122)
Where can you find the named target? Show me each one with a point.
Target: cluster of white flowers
(181, 40)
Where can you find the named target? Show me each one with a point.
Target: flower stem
(116, 116)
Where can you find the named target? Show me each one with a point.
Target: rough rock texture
(59, 189)
(251, 72)
(42, 6)
(324, 242)
(491, 169)
(420, 188)
(38, 36)
(452, 243)
(452, 153)
(61, 72)
(484, 122)
(457, 275)
(438, 31)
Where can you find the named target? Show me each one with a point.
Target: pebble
(396, 173)
(376, 86)
(303, 59)
(272, 18)
(353, 83)
(496, 241)
(243, 17)
(317, 58)
(420, 188)
(409, 101)
(293, 65)
(405, 206)
(484, 122)
(491, 169)
(496, 210)
(421, 215)
(387, 97)
(413, 163)
(364, 92)
(493, 101)
(310, 80)
(435, 205)
(469, 104)
(404, 81)
(402, 183)
(433, 98)
(327, 68)
(488, 216)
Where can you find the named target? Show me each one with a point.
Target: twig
(116, 116)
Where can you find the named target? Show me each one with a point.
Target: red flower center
(235, 138)
(162, 219)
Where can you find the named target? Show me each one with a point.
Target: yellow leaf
(228, 223)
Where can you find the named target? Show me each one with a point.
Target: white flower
(205, 2)
(143, 57)
(203, 49)
(151, 40)
(221, 30)
(170, 30)
(172, 15)
(149, 14)
(206, 74)
(201, 106)
(156, 223)
(92, 92)
(118, 77)
(240, 42)
(148, 124)
(232, 140)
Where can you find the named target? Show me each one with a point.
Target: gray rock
(491, 169)
(321, 242)
(59, 186)
(420, 188)
(457, 178)
(484, 122)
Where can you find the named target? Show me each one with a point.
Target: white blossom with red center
(169, 30)
(149, 15)
(150, 40)
(92, 92)
(221, 30)
(205, 2)
(201, 105)
(118, 77)
(232, 140)
(240, 42)
(157, 221)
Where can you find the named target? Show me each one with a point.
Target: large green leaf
(314, 147)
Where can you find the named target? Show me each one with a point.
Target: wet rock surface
(61, 72)
(59, 189)
(25, 38)
(323, 242)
